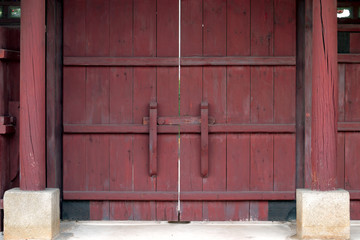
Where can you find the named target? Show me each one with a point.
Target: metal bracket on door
(204, 120)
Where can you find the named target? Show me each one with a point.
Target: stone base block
(31, 214)
(322, 214)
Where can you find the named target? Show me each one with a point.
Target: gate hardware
(153, 121)
(7, 125)
(153, 138)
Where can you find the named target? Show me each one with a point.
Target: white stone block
(322, 214)
(31, 214)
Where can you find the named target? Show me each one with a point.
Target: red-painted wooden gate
(235, 111)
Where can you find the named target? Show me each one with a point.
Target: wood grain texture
(32, 100)
(324, 96)
(54, 93)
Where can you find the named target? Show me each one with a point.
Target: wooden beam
(54, 93)
(349, 58)
(32, 96)
(324, 96)
(216, 128)
(348, 126)
(300, 92)
(184, 196)
(308, 91)
(185, 61)
(349, 27)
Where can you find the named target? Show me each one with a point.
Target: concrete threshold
(134, 230)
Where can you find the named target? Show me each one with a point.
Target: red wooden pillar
(324, 95)
(32, 95)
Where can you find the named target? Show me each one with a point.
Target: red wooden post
(324, 95)
(32, 95)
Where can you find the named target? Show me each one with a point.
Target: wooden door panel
(108, 97)
(241, 95)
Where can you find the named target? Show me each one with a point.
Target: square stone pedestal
(31, 214)
(322, 214)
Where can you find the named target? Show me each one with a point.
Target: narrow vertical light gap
(179, 77)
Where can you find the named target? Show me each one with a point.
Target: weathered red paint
(242, 70)
(204, 139)
(324, 96)
(153, 139)
(53, 93)
(32, 96)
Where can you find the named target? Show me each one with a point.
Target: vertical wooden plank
(168, 105)
(352, 91)
(284, 27)
(97, 28)
(238, 95)
(261, 173)
(284, 94)
(74, 163)
(262, 27)
(238, 175)
(144, 28)
(167, 92)
(191, 28)
(214, 28)
(262, 107)
(214, 92)
(191, 180)
(352, 165)
(354, 42)
(261, 163)
(167, 176)
(74, 150)
(284, 144)
(340, 165)
(352, 140)
(97, 173)
(97, 95)
(284, 162)
(141, 179)
(308, 90)
(74, 28)
(121, 28)
(238, 106)
(74, 88)
(238, 28)
(121, 156)
(98, 104)
(261, 178)
(121, 95)
(144, 93)
(355, 210)
(120, 167)
(54, 93)
(190, 100)
(238, 145)
(300, 93)
(167, 28)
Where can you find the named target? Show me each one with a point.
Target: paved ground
(194, 230)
